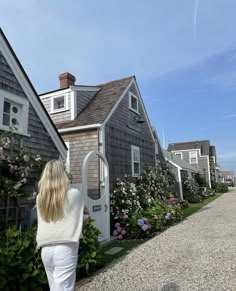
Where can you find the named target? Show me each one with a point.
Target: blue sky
(182, 52)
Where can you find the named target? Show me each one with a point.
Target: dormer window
(133, 103)
(193, 157)
(59, 103)
(13, 112)
(179, 155)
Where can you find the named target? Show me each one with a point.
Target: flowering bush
(119, 230)
(156, 183)
(149, 222)
(124, 200)
(190, 185)
(15, 168)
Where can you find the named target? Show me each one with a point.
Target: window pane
(15, 109)
(6, 107)
(59, 103)
(136, 156)
(6, 119)
(134, 103)
(14, 121)
(136, 168)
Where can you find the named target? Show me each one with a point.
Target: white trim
(175, 151)
(144, 110)
(73, 104)
(78, 128)
(36, 104)
(181, 154)
(135, 148)
(116, 105)
(196, 156)
(67, 161)
(56, 93)
(130, 103)
(83, 88)
(179, 178)
(23, 103)
(66, 107)
(133, 81)
(209, 174)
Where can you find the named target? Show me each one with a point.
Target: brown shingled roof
(100, 105)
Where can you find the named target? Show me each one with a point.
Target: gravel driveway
(197, 254)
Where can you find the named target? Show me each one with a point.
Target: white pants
(60, 262)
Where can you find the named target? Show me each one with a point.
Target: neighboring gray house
(180, 169)
(200, 154)
(21, 107)
(110, 118)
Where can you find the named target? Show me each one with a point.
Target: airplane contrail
(195, 18)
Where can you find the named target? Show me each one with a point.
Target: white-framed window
(193, 157)
(135, 159)
(179, 155)
(67, 161)
(59, 103)
(14, 111)
(133, 102)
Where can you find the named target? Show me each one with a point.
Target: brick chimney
(66, 80)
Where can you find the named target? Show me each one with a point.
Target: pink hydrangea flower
(125, 216)
(119, 229)
(120, 237)
(123, 232)
(117, 224)
(114, 233)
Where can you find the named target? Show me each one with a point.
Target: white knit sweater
(67, 229)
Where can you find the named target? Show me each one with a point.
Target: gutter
(79, 128)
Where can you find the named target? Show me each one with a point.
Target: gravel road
(196, 254)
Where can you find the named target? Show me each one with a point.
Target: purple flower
(117, 224)
(120, 237)
(123, 232)
(167, 217)
(145, 227)
(140, 222)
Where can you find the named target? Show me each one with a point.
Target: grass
(194, 207)
(127, 246)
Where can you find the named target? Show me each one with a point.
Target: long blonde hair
(53, 186)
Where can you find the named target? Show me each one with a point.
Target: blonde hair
(53, 186)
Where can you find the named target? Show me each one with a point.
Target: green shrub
(221, 188)
(192, 197)
(21, 264)
(89, 251)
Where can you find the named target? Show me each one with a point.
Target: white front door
(99, 209)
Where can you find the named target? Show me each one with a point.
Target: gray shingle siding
(58, 117)
(39, 142)
(121, 132)
(8, 81)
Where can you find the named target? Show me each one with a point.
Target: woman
(60, 220)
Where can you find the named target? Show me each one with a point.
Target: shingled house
(110, 118)
(200, 154)
(21, 108)
(181, 169)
